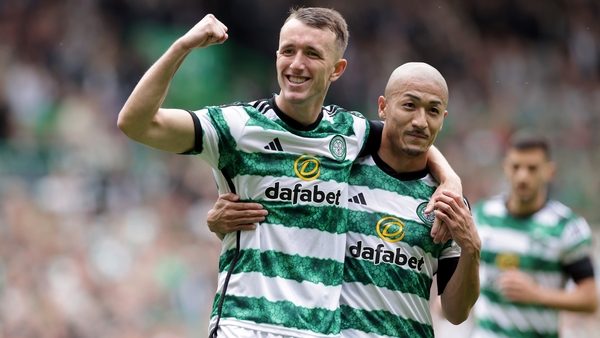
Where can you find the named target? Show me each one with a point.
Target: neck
(304, 113)
(519, 207)
(400, 161)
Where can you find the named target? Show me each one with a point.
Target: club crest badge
(337, 147)
(426, 218)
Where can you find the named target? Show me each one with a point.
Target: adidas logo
(274, 145)
(358, 199)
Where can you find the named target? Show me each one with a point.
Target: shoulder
(334, 110)
(239, 108)
(492, 206)
(555, 213)
(262, 104)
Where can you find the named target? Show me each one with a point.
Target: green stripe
(372, 177)
(497, 330)
(383, 323)
(280, 313)
(343, 124)
(281, 164)
(324, 218)
(495, 297)
(525, 262)
(389, 276)
(292, 267)
(416, 234)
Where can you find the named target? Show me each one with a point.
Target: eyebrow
(419, 99)
(309, 47)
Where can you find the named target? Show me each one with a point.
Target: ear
(443, 117)
(382, 104)
(550, 170)
(338, 70)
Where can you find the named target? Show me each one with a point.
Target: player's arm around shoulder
(462, 289)
(142, 119)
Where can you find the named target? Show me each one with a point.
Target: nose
(298, 62)
(419, 121)
(521, 174)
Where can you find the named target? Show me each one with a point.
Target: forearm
(441, 169)
(462, 290)
(583, 298)
(139, 112)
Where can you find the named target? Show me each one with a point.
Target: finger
(445, 209)
(447, 237)
(430, 205)
(250, 206)
(248, 217)
(435, 228)
(458, 199)
(444, 232)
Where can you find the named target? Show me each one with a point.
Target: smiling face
(414, 108)
(308, 60)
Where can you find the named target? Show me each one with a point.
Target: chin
(413, 152)
(294, 98)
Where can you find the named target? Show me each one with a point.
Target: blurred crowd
(101, 237)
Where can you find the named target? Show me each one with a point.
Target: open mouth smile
(297, 79)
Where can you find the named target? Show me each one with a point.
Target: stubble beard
(413, 152)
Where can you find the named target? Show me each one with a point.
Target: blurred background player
(531, 246)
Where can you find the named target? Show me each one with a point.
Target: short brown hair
(525, 140)
(320, 18)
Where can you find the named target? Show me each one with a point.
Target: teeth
(297, 79)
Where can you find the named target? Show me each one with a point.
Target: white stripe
(510, 317)
(314, 243)
(359, 334)
(370, 297)
(254, 139)
(510, 240)
(232, 328)
(305, 294)
(480, 333)
(383, 201)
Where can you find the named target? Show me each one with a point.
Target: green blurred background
(101, 237)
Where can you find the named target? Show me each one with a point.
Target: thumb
(230, 197)
(430, 206)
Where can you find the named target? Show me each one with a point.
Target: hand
(209, 31)
(229, 215)
(439, 230)
(451, 209)
(518, 287)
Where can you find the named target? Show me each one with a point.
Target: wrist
(471, 250)
(180, 47)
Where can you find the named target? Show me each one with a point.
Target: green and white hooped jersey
(539, 245)
(288, 275)
(390, 255)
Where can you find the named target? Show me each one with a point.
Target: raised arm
(142, 119)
